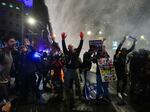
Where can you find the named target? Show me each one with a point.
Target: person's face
(11, 43)
(24, 49)
(71, 48)
(26, 42)
(123, 52)
(91, 51)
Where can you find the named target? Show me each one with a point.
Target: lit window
(17, 8)
(3, 3)
(11, 6)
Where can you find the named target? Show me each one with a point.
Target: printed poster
(107, 70)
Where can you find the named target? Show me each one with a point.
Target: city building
(11, 19)
(14, 16)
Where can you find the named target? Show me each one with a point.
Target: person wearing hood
(120, 67)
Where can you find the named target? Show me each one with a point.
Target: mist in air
(115, 18)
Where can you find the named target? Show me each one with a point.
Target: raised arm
(81, 42)
(63, 36)
(132, 47)
(120, 45)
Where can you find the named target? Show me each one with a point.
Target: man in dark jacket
(87, 62)
(27, 69)
(87, 59)
(72, 66)
(120, 66)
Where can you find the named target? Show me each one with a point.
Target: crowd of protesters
(59, 70)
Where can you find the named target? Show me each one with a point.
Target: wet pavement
(56, 105)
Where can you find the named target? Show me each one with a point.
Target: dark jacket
(72, 59)
(87, 60)
(27, 65)
(119, 59)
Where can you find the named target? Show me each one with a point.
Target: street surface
(55, 105)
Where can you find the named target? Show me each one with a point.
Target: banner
(95, 44)
(107, 70)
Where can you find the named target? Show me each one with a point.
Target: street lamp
(142, 37)
(31, 21)
(100, 32)
(89, 33)
(43, 30)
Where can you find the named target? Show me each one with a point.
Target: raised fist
(63, 35)
(81, 35)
